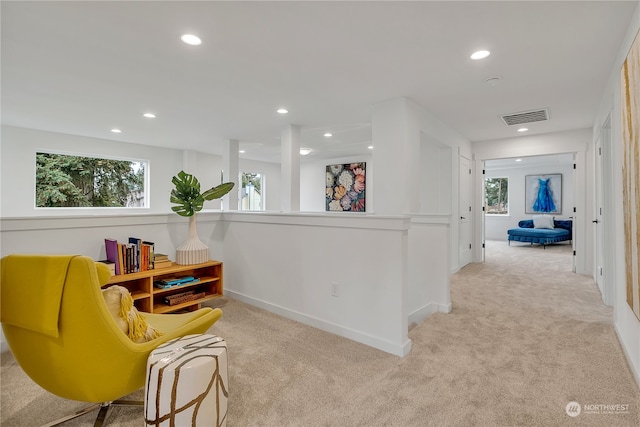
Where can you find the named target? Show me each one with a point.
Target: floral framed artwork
(543, 194)
(346, 187)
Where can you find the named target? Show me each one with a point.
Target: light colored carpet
(526, 336)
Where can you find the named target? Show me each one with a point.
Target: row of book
(134, 256)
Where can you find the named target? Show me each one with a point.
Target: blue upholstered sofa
(526, 233)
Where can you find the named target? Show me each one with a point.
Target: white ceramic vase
(193, 251)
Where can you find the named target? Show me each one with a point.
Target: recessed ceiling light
(523, 129)
(241, 151)
(191, 39)
(305, 151)
(282, 111)
(370, 147)
(518, 160)
(481, 54)
(328, 135)
(149, 115)
(114, 130)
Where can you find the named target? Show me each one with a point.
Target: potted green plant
(189, 200)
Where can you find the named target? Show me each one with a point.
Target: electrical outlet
(335, 289)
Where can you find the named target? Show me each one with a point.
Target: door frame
(465, 214)
(580, 203)
(604, 213)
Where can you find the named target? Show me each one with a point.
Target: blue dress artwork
(544, 201)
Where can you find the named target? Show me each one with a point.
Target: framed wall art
(346, 187)
(543, 194)
(630, 81)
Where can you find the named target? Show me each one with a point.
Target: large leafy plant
(187, 194)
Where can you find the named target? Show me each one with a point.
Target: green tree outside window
(251, 195)
(496, 196)
(76, 181)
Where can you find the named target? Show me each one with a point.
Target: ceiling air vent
(525, 117)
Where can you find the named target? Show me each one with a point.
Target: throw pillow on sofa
(543, 221)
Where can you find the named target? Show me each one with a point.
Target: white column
(231, 172)
(396, 155)
(290, 167)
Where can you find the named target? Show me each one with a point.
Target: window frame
(146, 181)
(486, 204)
(263, 200)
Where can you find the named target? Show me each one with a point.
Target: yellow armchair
(62, 335)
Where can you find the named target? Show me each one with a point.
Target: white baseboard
(4, 346)
(375, 342)
(634, 371)
(420, 314)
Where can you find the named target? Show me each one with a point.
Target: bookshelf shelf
(163, 308)
(140, 295)
(187, 286)
(151, 299)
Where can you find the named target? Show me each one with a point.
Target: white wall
(85, 235)
(293, 259)
(429, 264)
(436, 181)
(206, 168)
(19, 147)
(403, 132)
(496, 226)
(626, 323)
(437, 137)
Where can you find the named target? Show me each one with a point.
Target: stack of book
(131, 257)
(162, 261)
(175, 281)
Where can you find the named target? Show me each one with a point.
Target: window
(252, 193)
(496, 193)
(64, 181)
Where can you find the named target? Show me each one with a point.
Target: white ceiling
(85, 67)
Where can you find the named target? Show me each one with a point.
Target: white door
(464, 209)
(484, 211)
(574, 218)
(598, 219)
(604, 200)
